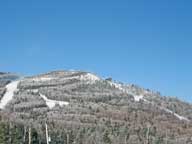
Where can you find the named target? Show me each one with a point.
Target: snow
(10, 89)
(35, 90)
(89, 77)
(175, 114)
(167, 110)
(43, 79)
(121, 88)
(118, 86)
(181, 117)
(49, 139)
(138, 98)
(51, 103)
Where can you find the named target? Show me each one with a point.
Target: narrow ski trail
(10, 89)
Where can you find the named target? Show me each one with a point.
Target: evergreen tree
(106, 137)
(2, 132)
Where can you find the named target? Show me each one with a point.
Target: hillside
(82, 108)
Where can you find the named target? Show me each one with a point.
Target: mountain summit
(80, 107)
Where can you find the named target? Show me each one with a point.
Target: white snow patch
(35, 90)
(11, 88)
(51, 103)
(39, 79)
(117, 86)
(89, 77)
(181, 117)
(175, 114)
(138, 98)
(167, 110)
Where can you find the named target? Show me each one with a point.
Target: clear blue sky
(146, 42)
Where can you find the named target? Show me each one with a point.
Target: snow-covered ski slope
(10, 89)
(52, 103)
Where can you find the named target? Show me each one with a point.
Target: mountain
(75, 107)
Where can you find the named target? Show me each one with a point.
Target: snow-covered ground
(164, 109)
(41, 79)
(167, 110)
(175, 114)
(10, 89)
(52, 103)
(89, 77)
(117, 86)
(138, 98)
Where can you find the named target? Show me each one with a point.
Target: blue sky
(145, 42)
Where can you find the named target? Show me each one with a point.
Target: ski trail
(175, 114)
(52, 103)
(168, 111)
(137, 98)
(10, 89)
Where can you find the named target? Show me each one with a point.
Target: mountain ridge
(77, 99)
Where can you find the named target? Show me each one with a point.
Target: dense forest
(106, 132)
(99, 112)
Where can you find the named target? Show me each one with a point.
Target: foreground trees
(14, 133)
